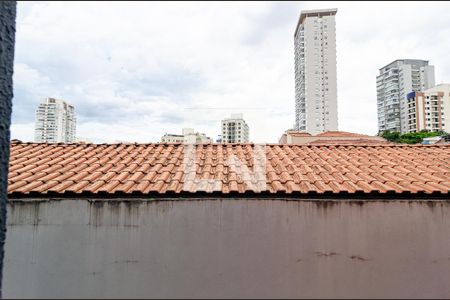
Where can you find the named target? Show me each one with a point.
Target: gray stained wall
(228, 248)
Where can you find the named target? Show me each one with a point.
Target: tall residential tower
(394, 83)
(55, 122)
(315, 72)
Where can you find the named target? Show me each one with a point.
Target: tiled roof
(157, 169)
(340, 134)
(361, 141)
(299, 133)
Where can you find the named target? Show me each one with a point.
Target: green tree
(391, 136)
(410, 138)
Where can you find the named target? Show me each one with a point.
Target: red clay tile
(29, 187)
(51, 176)
(92, 177)
(337, 187)
(78, 186)
(109, 186)
(19, 176)
(61, 186)
(16, 185)
(352, 187)
(46, 187)
(157, 187)
(158, 168)
(141, 186)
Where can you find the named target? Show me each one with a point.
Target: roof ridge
(316, 144)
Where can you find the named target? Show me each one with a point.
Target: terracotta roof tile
(366, 186)
(299, 133)
(45, 187)
(51, 176)
(109, 186)
(158, 168)
(29, 186)
(16, 185)
(78, 186)
(61, 187)
(337, 187)
(423, 186)
(340, 133)
(20, 176)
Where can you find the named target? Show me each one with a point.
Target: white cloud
(134, 70)
(32, 80)
(22, 131)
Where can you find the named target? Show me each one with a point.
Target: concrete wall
(228, 248)
(7, 39)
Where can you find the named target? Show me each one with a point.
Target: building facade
(235, 130)
(172, 138)
(189, 136)
(429, 109)
(315, 72)
(55, 122)
(394, 82)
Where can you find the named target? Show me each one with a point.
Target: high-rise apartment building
(55, 122)
(235, 130)
(429, 110)
(394, 83)
(315, 72)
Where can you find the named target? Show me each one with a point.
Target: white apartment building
(315, 72)
(235, 130)
(188, 136)
(172, 138)
(429, 110)
(55, 122)
(394, 82)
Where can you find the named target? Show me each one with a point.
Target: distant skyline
(135, 71)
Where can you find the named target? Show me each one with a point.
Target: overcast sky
(135, 71)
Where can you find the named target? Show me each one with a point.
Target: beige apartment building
(188, 136)
(429, 109)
